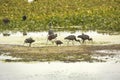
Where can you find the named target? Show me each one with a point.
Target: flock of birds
(51, 35)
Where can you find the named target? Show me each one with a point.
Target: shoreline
(57, 53)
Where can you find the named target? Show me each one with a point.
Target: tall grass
(87, 14)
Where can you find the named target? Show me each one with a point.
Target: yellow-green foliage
(88, 14)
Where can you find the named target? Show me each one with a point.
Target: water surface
(59, 71)
(41, 38)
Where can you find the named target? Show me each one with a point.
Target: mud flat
(89, 53)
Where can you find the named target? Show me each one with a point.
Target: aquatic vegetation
(88, 15)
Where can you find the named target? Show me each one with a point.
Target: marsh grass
(87, 15)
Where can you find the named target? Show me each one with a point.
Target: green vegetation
(86, 14)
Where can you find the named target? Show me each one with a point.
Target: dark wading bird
(24, 18)
(72, 38)
(51, 35)
(6, 21)
(24, 33)
(50, 32)
(84, 37)
(58, 42)
(6, 34)
(29, 40)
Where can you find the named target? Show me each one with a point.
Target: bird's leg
(79, 41)
(73, 42)
(30, 45)
(68, 42)
(47, 42)
(83, 41)
(52, 41)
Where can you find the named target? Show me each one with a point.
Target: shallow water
(109, 51)
(41, 38)
(4, 56)
(59, 71)
(111, 56)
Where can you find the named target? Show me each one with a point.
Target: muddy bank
(56, 53)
